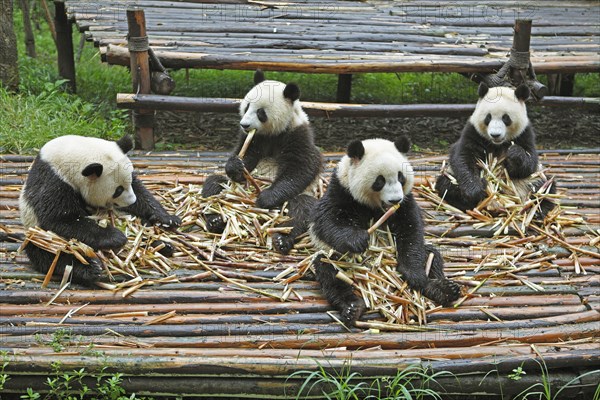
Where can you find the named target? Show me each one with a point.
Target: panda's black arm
(234, 168)
(463, 160)
(407, 226)
(65, 214)
(148, 208)
(521, 157)
(339, 221)
(299, 162)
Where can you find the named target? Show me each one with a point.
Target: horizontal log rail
(226, 105)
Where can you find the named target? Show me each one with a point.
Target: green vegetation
(410, 383)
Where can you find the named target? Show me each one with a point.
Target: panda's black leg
(148, 208)
(299, 210)
(546, 205)
(213, 185)
(339, 294)
(439, 289)
(451, 194)
(89, 232)
(41, 260)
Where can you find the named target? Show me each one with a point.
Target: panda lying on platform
(283, 148)
(372, 176)
(70, 178)
(498, 126)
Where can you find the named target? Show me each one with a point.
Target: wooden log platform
(203, 335)
(346, 37)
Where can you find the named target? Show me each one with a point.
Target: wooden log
(64, 46)
(223, 105)
(388, 63)
(140, 75)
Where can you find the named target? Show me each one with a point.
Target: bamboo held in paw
(241, 155)
(384, 218)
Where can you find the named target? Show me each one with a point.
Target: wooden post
(344, 88)
(521, 42)
(64, 46)
(140, 75)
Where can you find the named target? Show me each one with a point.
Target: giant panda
(373, 175)
(283, 148)
(73, 176)
(499, 126)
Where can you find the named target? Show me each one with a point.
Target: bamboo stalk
(383, 218)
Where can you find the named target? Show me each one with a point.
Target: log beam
(224, 105)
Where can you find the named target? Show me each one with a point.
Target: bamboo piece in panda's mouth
(241, 155)
(246, 144)
(384, 218)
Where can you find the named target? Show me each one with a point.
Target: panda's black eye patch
(401, 178)
(118, 192)
(247, 107)
(262, 115)
(378, 184)
(487, 119)
(506, 119)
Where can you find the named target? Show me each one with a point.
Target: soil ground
(556, 128)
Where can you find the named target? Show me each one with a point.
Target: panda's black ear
(482, 90)
(522, 92)
(125, 143)
(292, 92)
(403, 144)
(356, 150)
(259, 76)
(92, 171)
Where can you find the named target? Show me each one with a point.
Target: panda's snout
(245, 126)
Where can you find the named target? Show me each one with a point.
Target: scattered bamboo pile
(511, 211)
(374, 276)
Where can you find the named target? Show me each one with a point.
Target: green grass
(42, 111)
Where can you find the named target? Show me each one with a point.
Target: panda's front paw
(515, 161)
(474, 194)
(352, 311)
(114, 239)
(282, 243)
(442, 291)
(214, 223)
(357, 242)
(267, 199)
(166, 249)
(234, 168)
(165, 220)
(88, 274)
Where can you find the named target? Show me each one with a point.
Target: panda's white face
(500, 114)
(380, 177)
(270, 107)
(96, 168)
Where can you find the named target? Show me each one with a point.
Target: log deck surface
(345, 37)
(222, 340)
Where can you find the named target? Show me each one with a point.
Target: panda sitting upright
(372, 176)
(283, 147)
(499, 126)
(70, 178)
